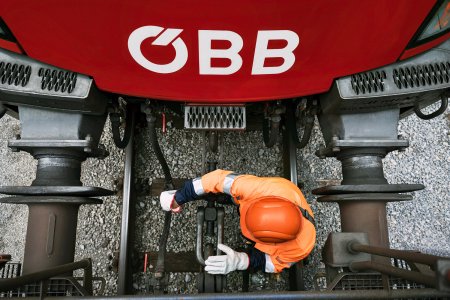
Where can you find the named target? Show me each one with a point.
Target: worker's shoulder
(285, 183)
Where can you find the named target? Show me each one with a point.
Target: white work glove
(166, 199)
(224, 264)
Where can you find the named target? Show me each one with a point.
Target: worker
(273, 214)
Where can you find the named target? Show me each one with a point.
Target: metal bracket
(384, 197)
(336, 145)
(443, 275)
(335, 252)
(86, 145)
(199, 244)
(158, 285)
(367, 188)
(33, 83)
(204, 214)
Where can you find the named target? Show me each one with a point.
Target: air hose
(439, 111)
(151, 120)
(2, 110)
(159, 269)
(115, 127)
(308, 114)
(306, 134)
(271, 131)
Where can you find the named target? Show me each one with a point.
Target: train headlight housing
(437, 24)
(5, 33)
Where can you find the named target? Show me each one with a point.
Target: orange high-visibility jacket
(245, 190)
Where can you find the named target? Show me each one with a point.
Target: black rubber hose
(160, 261)
(2, 110)
(306, 135)
(271, 132)
(439, 111)
(115, 127)
(159, 268)
(151, 120)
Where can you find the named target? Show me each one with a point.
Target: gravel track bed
(421, 224)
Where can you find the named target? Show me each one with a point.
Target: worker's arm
(194, 189)
(245, 187)
(260, 261)
(238, 186)
(212, 182)
(273, 265)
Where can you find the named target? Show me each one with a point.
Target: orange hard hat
(273, 220)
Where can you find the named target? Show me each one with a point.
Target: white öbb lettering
(170, 36)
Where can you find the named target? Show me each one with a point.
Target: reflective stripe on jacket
(247, 189)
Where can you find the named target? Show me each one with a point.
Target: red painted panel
(422, 48)
(337, 38)
(11, 46)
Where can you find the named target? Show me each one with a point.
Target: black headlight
(5, 33)
(435, 25)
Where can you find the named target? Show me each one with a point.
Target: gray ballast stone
(421, 224)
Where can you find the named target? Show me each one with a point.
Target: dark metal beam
(174, 261)
(290, 144)
(390, 270)
(313, 295)
(159, 185)
(11, 283)
(296, 282)
(401, 254)
(124, 283)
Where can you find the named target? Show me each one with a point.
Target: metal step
(214, 117)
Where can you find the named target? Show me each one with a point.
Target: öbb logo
(170, 36)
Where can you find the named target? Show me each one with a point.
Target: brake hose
(159, 268)
(121, 143)
(2, 110)
(309, 116)
(271, 131)
(306, 134)
(151, 120)
(439, 111)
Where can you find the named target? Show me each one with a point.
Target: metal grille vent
(214, 117)
(368, 82)
(422, 75)
(59, 287)
(10, 270)
(373, 281)
(359, 282)
(55, 286)
(14, 74)
(57, 80)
